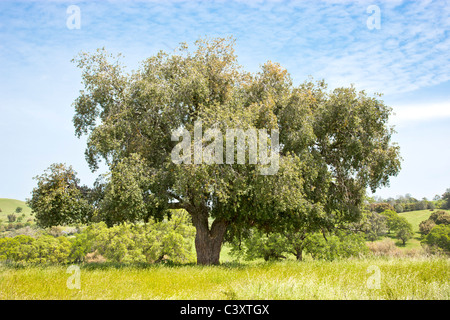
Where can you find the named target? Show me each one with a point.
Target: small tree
(18, 210)
(58, 199)
(374, 226)
(404, 230)
(11, 217)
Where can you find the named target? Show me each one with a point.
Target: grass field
(346, 279)
(366, 278)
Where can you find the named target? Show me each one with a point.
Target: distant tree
(398, 208)
(58, 198)
(404, 230)
(18, 210)
(446, 198)
(440, 217)
(380, 207)
(374, 225)
(422, 205)
(431, 205)
(392, 219)
(11, 217)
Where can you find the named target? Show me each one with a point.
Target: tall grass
(394, 278)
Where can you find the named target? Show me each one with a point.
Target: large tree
(332, 145)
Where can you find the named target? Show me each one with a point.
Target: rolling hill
(8, 206)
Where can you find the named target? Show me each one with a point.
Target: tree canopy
(333, 144)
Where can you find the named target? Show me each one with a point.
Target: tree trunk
(299, 255)
(208, 242)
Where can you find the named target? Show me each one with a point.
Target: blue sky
(407, 59)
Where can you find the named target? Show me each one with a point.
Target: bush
(385, 247)
(340, 245)
(436, 218)
(153, 242)
(440, 217)
(426, 226)
(26, 249)
(439, 236)
(258, 244)
(11, 217)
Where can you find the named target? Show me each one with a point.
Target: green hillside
(415, 218)
(8, 206)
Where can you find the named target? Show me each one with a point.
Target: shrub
(259, 244)
(340, 245)
(385, 247)
(168, 239)
(11, 217)
(439, 236)
(94, 257)
(26, 249)
(426, 226)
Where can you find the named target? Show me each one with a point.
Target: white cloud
(407, 114)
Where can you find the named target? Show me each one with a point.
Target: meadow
(419, 276)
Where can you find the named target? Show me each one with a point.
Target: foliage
(380, 207)
(439, 236)
(440, 217)
(257, 244)
(436, 218)
(26, 249)
(446, 199)
(58, 198)
(337, 246)
(168, 239)
(276, 246)
(155, 241)
(374, 225)
(404, 230)
(426, 226)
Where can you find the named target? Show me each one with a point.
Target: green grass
(346, 279)
(9, 206)
(415, 218)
